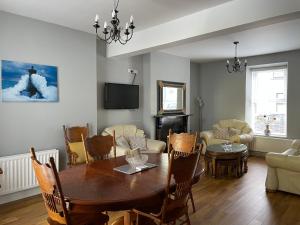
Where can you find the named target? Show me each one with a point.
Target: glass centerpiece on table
(136, 160)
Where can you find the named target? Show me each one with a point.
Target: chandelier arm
(127, 39)
(109, 32)
(123, 41)
(228, 70)
(131, 34)
(114, 31)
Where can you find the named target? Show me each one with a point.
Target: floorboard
(228, 201)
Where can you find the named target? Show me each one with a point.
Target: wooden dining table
(97, 187)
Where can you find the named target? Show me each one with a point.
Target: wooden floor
(240, 201)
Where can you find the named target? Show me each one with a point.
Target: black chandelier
(236, 66)
(114, 32)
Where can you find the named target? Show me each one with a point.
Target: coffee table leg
(246, 165)
(213, 167)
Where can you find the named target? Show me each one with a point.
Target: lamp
(236, 66)
(114, 32)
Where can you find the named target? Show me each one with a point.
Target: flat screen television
(121, 96)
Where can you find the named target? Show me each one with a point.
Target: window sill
(271, 136)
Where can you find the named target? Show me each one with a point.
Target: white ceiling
(79, 14)
(278, 37)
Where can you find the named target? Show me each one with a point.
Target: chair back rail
(99, 147)
(181, 170)
(50, 186)
(183, 142)
(74, 134)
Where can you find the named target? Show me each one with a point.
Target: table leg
(239, 167)
(213, 167)
(207, 166)
(127, 218)
(246, 165)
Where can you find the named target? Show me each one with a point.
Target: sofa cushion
(155, 146)
(215, 141)
(233, 131)
(78, 148)
(129, 130)
(122, 142)
(137, 142)
(221, 133)
(110, 130)
(238, 124)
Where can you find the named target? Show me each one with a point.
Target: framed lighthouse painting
(28, 82)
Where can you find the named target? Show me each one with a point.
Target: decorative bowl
(137, 161)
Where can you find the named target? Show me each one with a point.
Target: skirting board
(19, 195)
(257, 153)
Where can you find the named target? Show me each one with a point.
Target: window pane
(269, 88)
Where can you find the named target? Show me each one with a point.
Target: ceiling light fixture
(114, 32)
(236, 66)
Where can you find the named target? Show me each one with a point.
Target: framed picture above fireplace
(171, 97)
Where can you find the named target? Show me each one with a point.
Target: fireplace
(176, 122)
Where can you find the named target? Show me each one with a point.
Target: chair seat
(84, 219)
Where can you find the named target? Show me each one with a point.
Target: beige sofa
(152, 146)
(245, 136)
(284, 170)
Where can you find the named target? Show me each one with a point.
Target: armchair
(127, 131)
(284, 170)
(238, 131)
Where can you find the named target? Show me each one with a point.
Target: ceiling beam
(224, 18)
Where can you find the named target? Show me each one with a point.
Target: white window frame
(248, 102)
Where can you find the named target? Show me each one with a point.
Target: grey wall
(74, 53)
(224, 94)
(115, 70)
(161, 66)
(195, 92)
(151, 67)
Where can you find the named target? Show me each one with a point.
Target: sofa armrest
(246, 138)
(296, 144)
(283, 161)
(207, 135)
(155, 145)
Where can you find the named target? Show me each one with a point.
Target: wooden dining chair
(182, 144)
(99, 147)
(181, 171)
(73, 140)
(58, 208)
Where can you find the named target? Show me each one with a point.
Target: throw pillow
(78, 148)
(221, 133)
(122, 142)
(233, 132)
(137, 142)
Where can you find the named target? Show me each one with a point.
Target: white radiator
(18, 174)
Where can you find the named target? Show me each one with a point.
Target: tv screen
(121, 96)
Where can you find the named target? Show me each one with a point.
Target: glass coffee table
(226, 160)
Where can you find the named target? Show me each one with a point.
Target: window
(268, 99)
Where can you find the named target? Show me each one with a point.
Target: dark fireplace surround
(176, 122)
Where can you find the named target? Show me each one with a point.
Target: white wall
(162, 66)
(115, 70)
(74, 53)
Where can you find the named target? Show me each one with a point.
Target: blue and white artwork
(27, 82)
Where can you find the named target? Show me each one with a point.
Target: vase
(267, 130)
